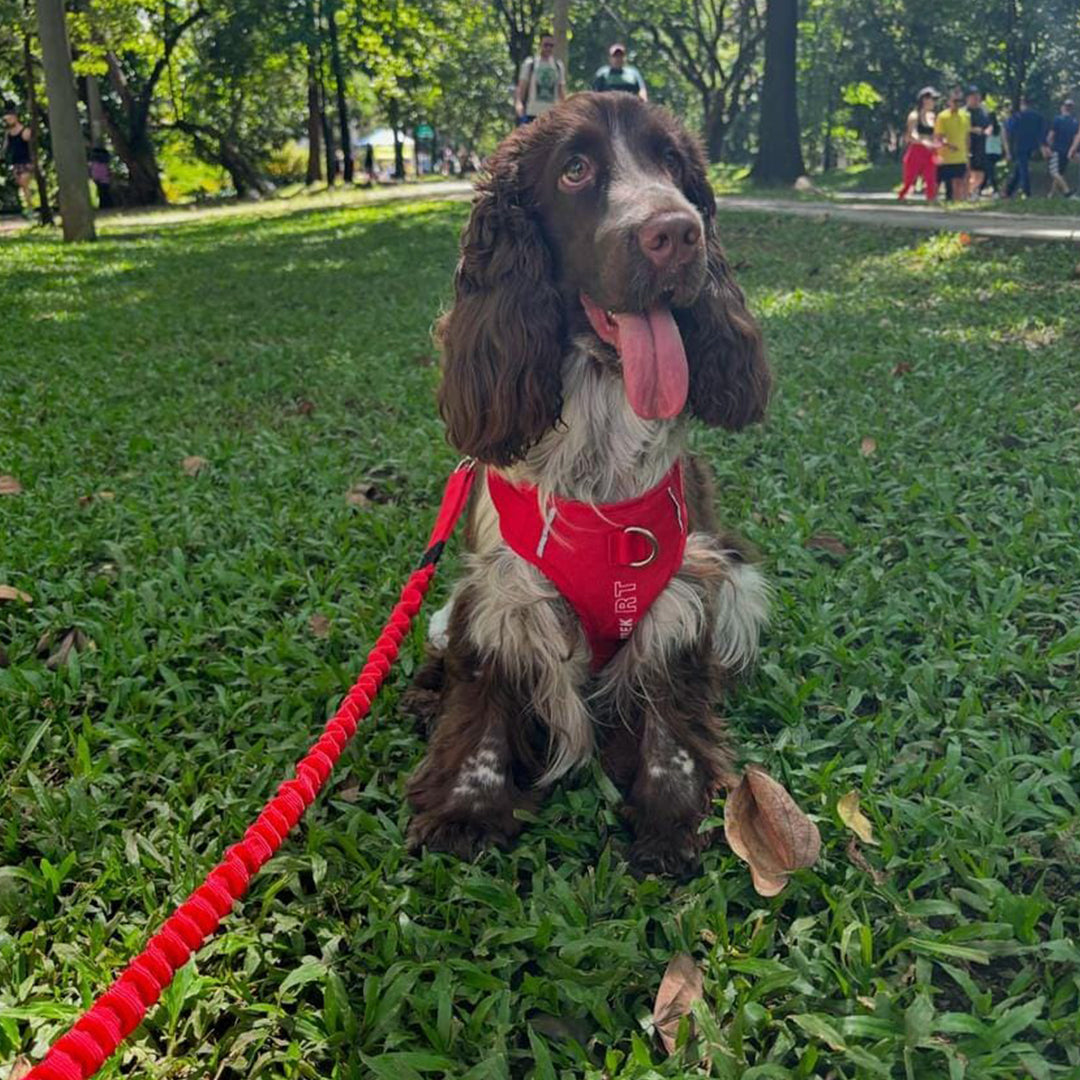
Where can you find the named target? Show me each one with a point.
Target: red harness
(609, 561)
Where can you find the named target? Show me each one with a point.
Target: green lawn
(926, 657)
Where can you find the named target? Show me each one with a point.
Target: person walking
(920, 157)
(17, 152)
(976, 141)
(1025, 132)
(1063, 132)
(617, 74)
(953, 127)
(995, 150)
(101, 174)
(541, 83)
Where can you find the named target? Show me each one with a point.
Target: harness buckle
(637, 530)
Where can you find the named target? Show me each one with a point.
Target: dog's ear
(502, 341)
(730, 380)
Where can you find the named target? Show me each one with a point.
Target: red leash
(95, 1037)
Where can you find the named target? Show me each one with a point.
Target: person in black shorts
(1063, 131)
(17, 151)
(980, 121)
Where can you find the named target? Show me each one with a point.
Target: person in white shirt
(541, 83)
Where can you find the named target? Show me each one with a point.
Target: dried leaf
(867, 447)
(85, 500)
(349, 794)
(20, 1067)
(903, 368)
(825, 542)
(767, 830)
(1076, 271)
(561, 1028)
(108, 496)
(680, 987)
(319, 625)
(965, 238)
(9, 485)
(9, 592)
(74, 640)
(193, 465)
(305, 407)
(850, 814)
(854, 853)
(358, 495)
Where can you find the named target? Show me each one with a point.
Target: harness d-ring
(651, 537)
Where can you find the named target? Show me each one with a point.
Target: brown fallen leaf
(85, 500)
(20, 1067)
(854, 853)
(305, 407)
(358, 495)
(826, 542)
(1076, 407)
(193, 464)
(319, 625)
(73, 640)
(108, 496)
(850, 814)
(903, 368)
(767, 830)
(681, 986)
(9, 592)
(9, 485)
(348, 794)
(868, 447)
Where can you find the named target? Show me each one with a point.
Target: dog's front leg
(511, 718)
(663, 742)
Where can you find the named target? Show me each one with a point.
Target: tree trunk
(314, 126)
(716, 126)
(69, 150)
(339, 86)
(44, 209)
(560, 27)
(219, 148)
(779, 156)
(130, 136)
(95, 110)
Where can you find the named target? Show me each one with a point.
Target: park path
(879, 210)
(918, 216)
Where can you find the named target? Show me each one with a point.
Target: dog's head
(596, 219)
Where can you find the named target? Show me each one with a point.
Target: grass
(929, 663)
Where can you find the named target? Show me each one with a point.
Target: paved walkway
(919, 216)
(878, 209)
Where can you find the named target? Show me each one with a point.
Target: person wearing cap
(617, 74)
(995, 150)
(953, 127)
(980, 121)
(920, 157)
(541, 82)
(1063, 132)
(16, 150)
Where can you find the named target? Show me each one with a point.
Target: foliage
(932, 668)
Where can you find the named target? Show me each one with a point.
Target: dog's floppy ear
(730, 380)
(502, 339)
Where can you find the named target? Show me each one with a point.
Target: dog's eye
(672, 160)
(577, 171)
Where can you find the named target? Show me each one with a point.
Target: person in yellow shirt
(953, 127)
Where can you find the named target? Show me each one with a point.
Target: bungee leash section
(96, 1035)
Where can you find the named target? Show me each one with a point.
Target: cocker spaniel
(602, 609)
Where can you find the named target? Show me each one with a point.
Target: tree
(521, 21)
(715, 46)
(69, 149)
(779, 155)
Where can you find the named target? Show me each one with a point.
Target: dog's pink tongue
(654, 363)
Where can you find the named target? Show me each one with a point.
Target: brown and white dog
(594, 314)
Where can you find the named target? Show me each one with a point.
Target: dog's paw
(463, 839)
(670, 856)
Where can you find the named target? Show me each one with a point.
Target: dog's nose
(670, 239)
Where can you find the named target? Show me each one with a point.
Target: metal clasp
(651, 557)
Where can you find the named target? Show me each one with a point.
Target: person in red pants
(920, 157)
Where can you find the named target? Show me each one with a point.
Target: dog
(602, 609)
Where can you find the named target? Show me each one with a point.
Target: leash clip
(637, 530)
